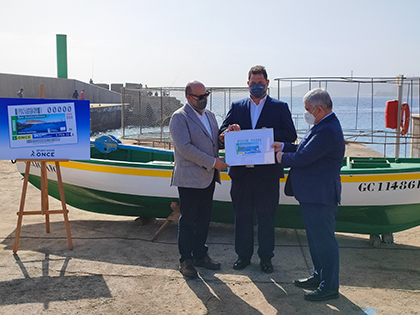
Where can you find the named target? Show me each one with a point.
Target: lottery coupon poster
(249, 147)
(44, 129)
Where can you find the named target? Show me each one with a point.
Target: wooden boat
(380, 195)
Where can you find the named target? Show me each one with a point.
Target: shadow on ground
(46, 289)
(125, 244)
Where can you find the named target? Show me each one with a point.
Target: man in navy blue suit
(255, 188)
(314, 180)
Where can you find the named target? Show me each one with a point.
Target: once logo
(45, 154)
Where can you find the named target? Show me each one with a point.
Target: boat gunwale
(346, 170)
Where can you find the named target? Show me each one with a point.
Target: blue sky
(168, 43)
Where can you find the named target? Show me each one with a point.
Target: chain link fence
(358, 102)
(146, 112)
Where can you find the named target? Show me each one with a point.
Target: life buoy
(405, 118)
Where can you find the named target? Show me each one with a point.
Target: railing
(359, 103)
(146, 112)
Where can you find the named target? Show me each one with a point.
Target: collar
(197, 113)
(262, 101)
(324, 118)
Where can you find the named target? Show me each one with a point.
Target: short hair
(318, 97)
(258, 70)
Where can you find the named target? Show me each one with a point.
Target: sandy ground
(115, 268)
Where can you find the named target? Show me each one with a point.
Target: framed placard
(249, 147)
(44, 129)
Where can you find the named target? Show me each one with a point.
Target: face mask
(201, 104)
(309, 118)
(257, 90)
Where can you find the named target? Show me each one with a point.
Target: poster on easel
(44, 129)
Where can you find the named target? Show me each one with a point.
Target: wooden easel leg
(63, 204)
(22, 206)
(44, 195)
(44, 202)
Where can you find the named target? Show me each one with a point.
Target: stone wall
(55, 88)
(116, 87)
(105, 117)
(105, 112)
(142, 108)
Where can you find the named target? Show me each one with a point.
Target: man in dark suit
(314, 180)
(197, 167)
(255, 188)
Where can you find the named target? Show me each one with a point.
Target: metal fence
(358, 102)
(146, 112)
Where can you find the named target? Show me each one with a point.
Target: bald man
(197, 167)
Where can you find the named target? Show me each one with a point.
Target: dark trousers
(195, 205)
(319, 222)
(252, 195)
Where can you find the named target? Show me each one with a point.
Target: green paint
(350, 219)
(61, 56)
(14, 126)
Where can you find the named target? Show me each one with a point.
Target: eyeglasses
(200, 97)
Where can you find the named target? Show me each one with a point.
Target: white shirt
(204, 120)
(255, 110)
(324, 118)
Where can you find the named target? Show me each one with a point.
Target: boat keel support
(173, 217)
(376, 240)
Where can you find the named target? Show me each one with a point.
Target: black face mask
(201, 104)
(257, 90)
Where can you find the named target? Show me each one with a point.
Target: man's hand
(279, 155)
(219, 165)
(277, 146)
(234, 127)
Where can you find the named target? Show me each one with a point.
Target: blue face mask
(257, 90)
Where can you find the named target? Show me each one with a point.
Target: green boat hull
(351, 219)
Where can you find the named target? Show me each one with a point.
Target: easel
(44, 200)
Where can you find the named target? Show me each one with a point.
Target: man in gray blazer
(197, 167)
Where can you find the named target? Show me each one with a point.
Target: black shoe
(207, 262)
(307, 283)
(241, 263)
(187, 269)
(266, 266)
(321, 295)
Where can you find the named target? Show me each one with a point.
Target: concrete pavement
(115, 268)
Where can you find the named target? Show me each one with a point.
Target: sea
(362, 120)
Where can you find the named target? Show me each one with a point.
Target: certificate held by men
(249, 147)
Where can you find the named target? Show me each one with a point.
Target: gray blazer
(195, 149)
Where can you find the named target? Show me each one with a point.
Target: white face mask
(309, 118)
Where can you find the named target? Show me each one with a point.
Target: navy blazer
(316, 163)
(275, 114)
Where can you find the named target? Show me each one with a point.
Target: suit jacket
(316, 163)
(195, 149)
(276, 115)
